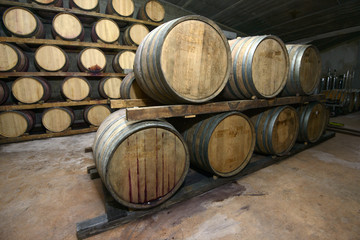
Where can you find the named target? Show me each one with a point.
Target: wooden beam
(59, 74)
(129, 103)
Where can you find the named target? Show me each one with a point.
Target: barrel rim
(83, 68)
(62, 68)
(87, 109)
(110, 3)
(18, 54)
(83, 9)
(305, 116)
(96, 34)
(79, 77)
(46, 4)
(146, 14)
(21, 100)
(73, 15)
(101, 87)
(27, 10)
(69, 111)
(127, 33)
(23, 115)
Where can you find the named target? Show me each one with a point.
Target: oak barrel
(312, 124)
(260, 66)
(184, 60)
(75, 88)
(305, 69)
(123, 8)
(4, 92)
(129, 89)
(222, 144)
(134, 34)
(85, 5)
(57, 119)
(31, 89)
(123, 60)
(95, 114)
(51, 58)
(142, 163)
(276, 130)
(105, 30)
(52, 3)
(12, 59)
(152, 11)
(109, 87)
(67, 27)
(91, 60)
(16, 123)
(21, 22)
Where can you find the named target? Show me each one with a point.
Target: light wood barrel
(142, 163)
(67, 27)
(109, 87)
(75, 88)
(305, 69)
(55, 3)
(184, 60)
(4, 92)
(134, 34)
(129, 89)
(12, 59)
(21, 22)
(152, 11)
(95, 114)
(123, 8)
(222, 144)
(91, 60)
(313, 117)
(123, 60)
(85, 5)
(276, 130)
(260, 66)
(16, 123)
(31, 89)
(51, 58)
(57, 119)
(105, 30)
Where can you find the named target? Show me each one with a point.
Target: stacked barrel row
(348, 100)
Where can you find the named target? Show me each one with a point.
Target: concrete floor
(45, 191)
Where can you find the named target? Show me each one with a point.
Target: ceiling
(322, 22)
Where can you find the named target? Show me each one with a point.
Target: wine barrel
(260, 66)
(123, 60)
(4, 92)
(105, 30)
(51, 58)
(356, 100)
(16, 123)
(31, 89)
(21, 22)
(222, 144)
(276, 130)
(67, 27)
(95, 114)
(312, 122)
(129, 89)
(57, 119)
(109, 87)
(184, 60)
(85, 5)
(75, 88)
(134, 34)
(91, 60)
(123, 8)
(52, 3)
(152, 11)
(12, 59)
(305, 69)
(141, 163)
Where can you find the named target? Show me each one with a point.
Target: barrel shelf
(59, 74)
(75, 12)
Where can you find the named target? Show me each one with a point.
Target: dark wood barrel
(173, 69)
(260, 66)
(51, 58)
(52, 3)
(123, 60)
(57, 119)
(21, 22)
(75, 88)
(312, 124)
(141, 163)
(68, 27)
(31, 89)
(123, 8)
(276, 130)
(12, 59)
(16, 123)
(129, 89)
(152, 11)
(305, 69)
(96, 114)
(134, 34)
(4, 92)
(222, 144)
(105, 30)
(109, 87)
(91, 60)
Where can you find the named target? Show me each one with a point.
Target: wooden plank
(52, 104)
(59, 74)
(75, 11)
(168, 111)
(129, 103)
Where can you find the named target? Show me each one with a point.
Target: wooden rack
(59, 74)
